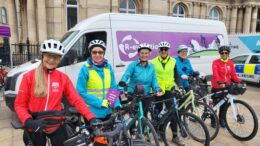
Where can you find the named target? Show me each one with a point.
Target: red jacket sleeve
(22, 100)
(215, 71)
(233, 74)
(75, 99)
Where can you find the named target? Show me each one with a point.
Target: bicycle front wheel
(208, 116)
(191, 130)
(148, 133)
(244, 125)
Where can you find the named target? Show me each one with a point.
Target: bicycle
(113, 129)
(185, 121)
(3, 74)
(236, 112)
(145, 129)
(199, 106)
(60, 119)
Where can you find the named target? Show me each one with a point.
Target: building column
(41, 20)
(247, 20)
(253, 20)
(240, 20)
(233, 21)
(227, 21)
(203, 11)
(12, 22)
(31, 24)
(196, 10)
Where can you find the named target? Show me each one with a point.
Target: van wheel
(66, 105)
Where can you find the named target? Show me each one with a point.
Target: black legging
(216, 99)
(168, 104)
(39, 138)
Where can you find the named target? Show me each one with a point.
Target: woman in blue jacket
(142, 72)
(95, 78)
(184, 67)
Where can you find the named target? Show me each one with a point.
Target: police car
(248, 66)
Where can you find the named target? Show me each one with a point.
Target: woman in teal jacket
(92, 75)
(142, 72)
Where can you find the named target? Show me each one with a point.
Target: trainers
(177, 141)
(222, 123)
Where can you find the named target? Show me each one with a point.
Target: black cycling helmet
(222, 48)
(144, 46)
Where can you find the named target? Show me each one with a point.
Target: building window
(178, 11)
(127, 6)
(72, 13)
(258, 22)
(214, 14)
(3, 15)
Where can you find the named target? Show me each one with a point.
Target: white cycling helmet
(95, 43)
(144, 46)
(182, 47)
(52, 46)
(164, 44)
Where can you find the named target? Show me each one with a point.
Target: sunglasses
(97, 52)
(222, 53)
(164, 49)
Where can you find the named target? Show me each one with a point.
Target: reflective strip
(239, 68)
(249, 69)
(257, 69)
(97, 90)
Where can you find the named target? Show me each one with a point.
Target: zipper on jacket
(48, 92)
(225, 72)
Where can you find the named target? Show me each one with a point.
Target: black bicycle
(191, 129)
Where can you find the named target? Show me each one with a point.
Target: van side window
(79, 51)
(240, 59)
(75, 53)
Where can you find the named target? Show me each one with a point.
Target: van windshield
(67, 37)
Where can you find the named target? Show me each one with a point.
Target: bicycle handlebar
(110, 134)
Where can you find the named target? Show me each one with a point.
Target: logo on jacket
(55, 86)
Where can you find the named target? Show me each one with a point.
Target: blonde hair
(40, 82)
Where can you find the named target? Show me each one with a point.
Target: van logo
(129, 46)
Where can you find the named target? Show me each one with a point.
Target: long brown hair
(40, 82)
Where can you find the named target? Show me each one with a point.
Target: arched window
(127, 6)
(72, 13)
(214, 14)
(3, 15)
(178, 11)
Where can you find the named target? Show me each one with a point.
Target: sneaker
(177, 141)
(222, 123)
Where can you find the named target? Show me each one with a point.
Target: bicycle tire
(190, 138)
(208, 115)
(246, 135)
(147, 130)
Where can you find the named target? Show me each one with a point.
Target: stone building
(41, 19)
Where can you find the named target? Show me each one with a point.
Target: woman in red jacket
(224, 73)
(40, 94)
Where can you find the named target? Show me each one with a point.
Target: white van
(122, 34)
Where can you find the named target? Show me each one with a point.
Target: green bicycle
(145, 129)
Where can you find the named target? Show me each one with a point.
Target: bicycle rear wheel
(148, 133)
(208, 116)
(246, 125)
(191, 130)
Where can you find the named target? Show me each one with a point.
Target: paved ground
(11, 137)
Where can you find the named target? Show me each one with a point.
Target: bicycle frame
(139, 116)
(228, 98)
